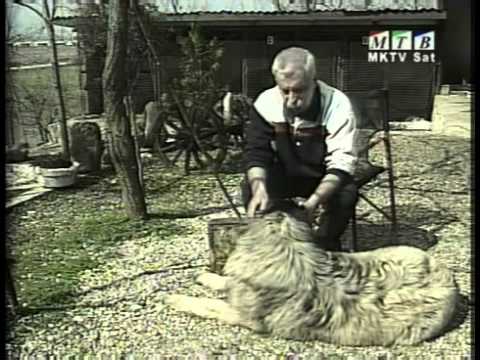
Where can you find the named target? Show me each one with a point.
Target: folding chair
(372, 115)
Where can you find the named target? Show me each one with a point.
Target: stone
(17, 152)
(53, 133)
(86, 145)
(153, 121)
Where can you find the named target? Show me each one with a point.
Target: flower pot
(59, 177)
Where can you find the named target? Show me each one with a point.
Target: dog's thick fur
(279, 282)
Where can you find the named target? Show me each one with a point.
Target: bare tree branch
(47, 18)
(38, 12)
(277, 4)
(174, 5)
(46, 10)
(54, 9)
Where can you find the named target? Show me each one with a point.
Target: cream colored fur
(277, 281)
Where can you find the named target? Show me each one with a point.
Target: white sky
(24, 21)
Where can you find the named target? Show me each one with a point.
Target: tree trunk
(10, 113)
(58, 86)
(121, 144)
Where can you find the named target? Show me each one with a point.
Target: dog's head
(289, 207)
(289, 221)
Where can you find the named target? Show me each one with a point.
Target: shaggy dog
(279, 282)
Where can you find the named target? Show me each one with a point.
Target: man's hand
(327, 187)
(259, 199)
(310, 205)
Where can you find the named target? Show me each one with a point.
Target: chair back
(370, 108)
(372, 127)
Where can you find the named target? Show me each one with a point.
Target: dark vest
(302, 149)
(299, 143)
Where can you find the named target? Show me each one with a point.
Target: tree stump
(222, 236)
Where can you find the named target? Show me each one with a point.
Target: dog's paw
(178, 302)
(212, 281)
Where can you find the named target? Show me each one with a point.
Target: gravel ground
(119, 311)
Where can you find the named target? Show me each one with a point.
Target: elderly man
(300, 144)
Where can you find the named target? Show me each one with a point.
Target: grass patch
(33, 100)
(175, 194)
(42, 82)
(49, 264)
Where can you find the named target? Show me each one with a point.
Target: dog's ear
(300, 214)
(282, 205)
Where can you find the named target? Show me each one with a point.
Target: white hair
(300, 58)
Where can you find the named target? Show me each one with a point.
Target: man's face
(297, 91)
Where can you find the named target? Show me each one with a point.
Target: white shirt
(337, 117)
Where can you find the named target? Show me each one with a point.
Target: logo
(401, 40)
(424, 40)
(401, 46)
(379, 40)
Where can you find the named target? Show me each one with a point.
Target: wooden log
(28, 195)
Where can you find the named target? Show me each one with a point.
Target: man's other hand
(259, 199)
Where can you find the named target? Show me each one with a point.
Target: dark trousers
(338, 210)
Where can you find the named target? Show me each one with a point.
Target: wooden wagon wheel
(204, 142)
(235, 118)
